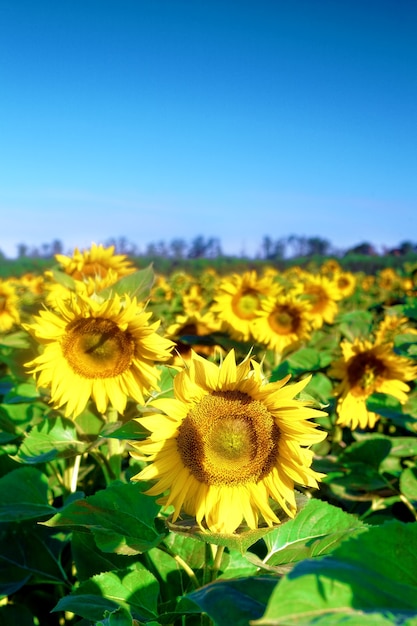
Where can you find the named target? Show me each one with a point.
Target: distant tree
(22, 250)
(365, 248)
(318, 246)
(178, 248)
(201, 248)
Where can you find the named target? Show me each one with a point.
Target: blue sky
(160, 119)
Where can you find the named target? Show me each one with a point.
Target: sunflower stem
(115, 447)
(218, 555)
(75, 471)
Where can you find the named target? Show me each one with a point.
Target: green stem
(75, 472)
(219, 550)
(115, 447)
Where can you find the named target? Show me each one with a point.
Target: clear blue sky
(159, 119)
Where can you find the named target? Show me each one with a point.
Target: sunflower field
(205, 448)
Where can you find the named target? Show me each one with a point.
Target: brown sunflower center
(228, 439)
(245, 304)
(364, 372)
(97, 348)
(90, 268)
(284, 321)
(318, 298)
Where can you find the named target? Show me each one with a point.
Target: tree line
(201, 247)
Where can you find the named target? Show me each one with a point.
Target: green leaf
(370, 452)
(19, 340)
(299, 362)
(119, 617)
(236, 602)
(406, 345)
(373, 572)
(408, 483)
(355, 324)
(15, 614)
(235, 565)
(134, 588)
(316, 530)
(138, 284)
(389, 407)
(89, 560)
(22, 393)
(53, 437)
(33, 552)
(121, 518)
(24, 495)
(131, 430)
(321, 387)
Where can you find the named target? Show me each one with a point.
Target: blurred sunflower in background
(95, 262)
(228, 444)
(9, 306)
(100, 349)
(282, 322)
(366, 368)
(323, 295)
(238, 299)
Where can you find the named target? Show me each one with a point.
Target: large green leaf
(355, 324)
(372, 572)
(24, 495)
(134, 588)
(236, 602)
(121, 518)
(52, 438)
(32, 552)
(408, 483)
(299, 362)
(89, 560)
(316, 530)
(138, 284)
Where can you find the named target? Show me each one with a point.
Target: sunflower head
(104, 349)
(229, 444)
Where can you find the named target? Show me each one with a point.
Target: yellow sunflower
(196, 325)
(9, 312)
(237, 301)
(95, 263)
(364, 369)
(391, 326)
(100, 349)
(229, 444)
(323, 295)
(345, 282)
(282, 322)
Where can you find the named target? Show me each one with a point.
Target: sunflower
(391, 326)
(195, 325)
(228, 444)
(322, 294)
(95, 263)
(282, 322)
(100, 349)
(345, 282)
(9, 312)
(364, 369)
(237, 301)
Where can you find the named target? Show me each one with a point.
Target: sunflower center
(364, 372)
(97, 348)
(3, 304)
(90, 268)
(283, 321)
(245, 304)
(318, 298)
(228, 439)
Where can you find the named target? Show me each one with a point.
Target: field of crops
(226, 449)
